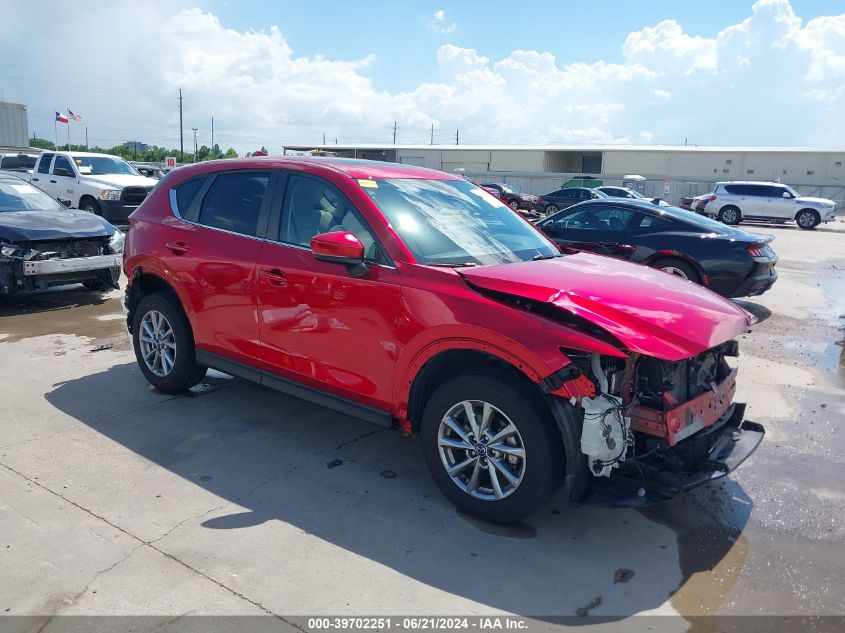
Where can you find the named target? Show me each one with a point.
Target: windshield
(508, 189)
(792, 191)
(455, 223)
(100, 165)
(21, 196)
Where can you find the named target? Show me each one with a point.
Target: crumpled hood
(29, 226)
(649, 311)
(119, 181)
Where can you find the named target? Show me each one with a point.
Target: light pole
(195, 142)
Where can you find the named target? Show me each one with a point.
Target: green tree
(41, 143)
(231, 153)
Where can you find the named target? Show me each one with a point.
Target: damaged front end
(40, 264)
(651, 429)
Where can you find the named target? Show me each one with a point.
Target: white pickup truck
(99, 183)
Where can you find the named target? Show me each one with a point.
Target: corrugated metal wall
(14, 130)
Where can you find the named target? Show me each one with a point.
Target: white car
(733, 202)
(102, 184)
(627, 192)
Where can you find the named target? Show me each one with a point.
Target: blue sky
(737, 72)
(572, 31)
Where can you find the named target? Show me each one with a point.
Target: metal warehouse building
(690, 169)
(13, 125)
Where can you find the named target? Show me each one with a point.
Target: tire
(90, 205)
(537, 473)
(807, 219)
(182, 372)
(729, 215)
(551, 208)
(677, 267)
(94, 285)
(513, 204)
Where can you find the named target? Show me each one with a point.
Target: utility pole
(324, 139)
(212, 135)
(457, 137)
(181, 135)
(394, 132)
(86, 137)
(195, 143)
(432, 133)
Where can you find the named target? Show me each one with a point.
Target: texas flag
(61, 118)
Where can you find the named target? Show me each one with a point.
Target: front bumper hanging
(640, 482)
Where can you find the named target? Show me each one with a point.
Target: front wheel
(513, 204)
(91, 206)
(807, 219)
(552, 208)
(164, 345)
(492, 446)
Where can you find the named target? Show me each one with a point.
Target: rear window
(21, 162)
(186, 192)
(233, 202)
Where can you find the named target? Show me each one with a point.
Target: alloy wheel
(806, 219)
(158, 343)
(729, 216)
(514, 205)
(481, 450)
(675, 271)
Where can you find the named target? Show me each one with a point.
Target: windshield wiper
(447, 265)
(537, 258)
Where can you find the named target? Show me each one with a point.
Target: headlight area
(117, 240)
(651, 429)
(110, 194)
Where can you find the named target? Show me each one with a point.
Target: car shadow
(366, 490)
(757, 309)
(821, 228)
(59, 298)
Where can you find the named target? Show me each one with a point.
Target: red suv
(413, 299)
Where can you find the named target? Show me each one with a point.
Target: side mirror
(786, 194)
(65, 202)
(61, 171)
(340, 247)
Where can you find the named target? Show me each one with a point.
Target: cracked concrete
(115, 499)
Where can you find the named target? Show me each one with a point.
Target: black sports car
(727, 260)
(43, 244)
(565, 198)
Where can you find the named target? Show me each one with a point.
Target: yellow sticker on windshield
(369, 184)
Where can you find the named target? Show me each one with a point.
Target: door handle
(54, 182)
(35, 179)
(274, 277)
(178, 248)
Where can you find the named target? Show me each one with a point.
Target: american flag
(73, 116)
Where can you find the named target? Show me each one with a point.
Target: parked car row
(413, 299)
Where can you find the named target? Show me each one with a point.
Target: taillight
(539, 199)
(756, 250)
(711, 198)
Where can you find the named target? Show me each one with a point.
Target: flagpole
(68, 135)
(56, 131)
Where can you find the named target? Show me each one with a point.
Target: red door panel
(320, 325)
(216, 272)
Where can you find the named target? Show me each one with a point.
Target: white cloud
(438, 23)
(771, 79)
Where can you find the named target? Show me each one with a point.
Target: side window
(186, 192)
(650, 222)
(62, 162)
(758, 190)
(568, 194)
(734, 189)
(313, 206)
(233, 202)
(595, 219)
(777, 192)
(44, 163)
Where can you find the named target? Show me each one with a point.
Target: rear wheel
(514, 204)
(492, 446)
(164, 345)
(679, 268)
(551, 208)
(729, 215)
(807, 219)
